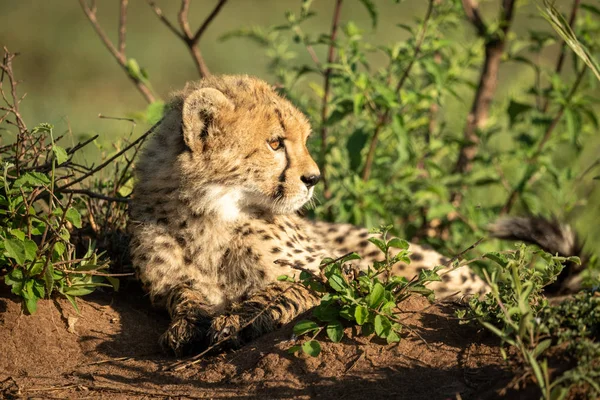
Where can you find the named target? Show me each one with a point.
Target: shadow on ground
(110, 350)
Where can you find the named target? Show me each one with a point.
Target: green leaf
(383, 326)
(49, 279)
(30, 248)
(16, 280)
(285, 278)
(294, 349)
(398, 244)
(379, 243)
(15, 249)
(312, 348)
(388, 307)
(78, 290)
(114, 282)
(541, 347)
(19, 234)
(32, 179)
(372, 10)
(498, 258)
(154, 112)
(429, 275)
(335, 331)
(361, 314)
(367, 329)
(31, 304)
(392, 337)
(347, 312)
(356, 142)
(73, 302)
(337, 283)
(515, 110)
(60, 154)
(376, 295)
(305, 326)
(73, 217)
(326, 313)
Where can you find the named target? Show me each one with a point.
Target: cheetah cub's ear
(199, 111)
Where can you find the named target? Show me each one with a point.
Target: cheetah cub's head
(247, 147)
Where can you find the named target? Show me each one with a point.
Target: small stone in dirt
(71, 321)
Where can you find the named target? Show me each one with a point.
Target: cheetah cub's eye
(276, 144)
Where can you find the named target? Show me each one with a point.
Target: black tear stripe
(279, 191)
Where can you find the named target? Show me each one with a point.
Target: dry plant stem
(512, 197)
(94, 195)
(136, 142)
(488, 79)
(324, 108)
(563, 48)
(384, 118)
(190, 39)
(122, 26)
(118, 54)
(12, 107)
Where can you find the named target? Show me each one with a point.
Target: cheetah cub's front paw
(226, 329)
(185, 336)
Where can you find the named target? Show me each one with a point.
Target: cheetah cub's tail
(551, 236)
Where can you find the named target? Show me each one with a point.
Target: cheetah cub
(214, 216)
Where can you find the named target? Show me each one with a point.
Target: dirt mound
(110, 351)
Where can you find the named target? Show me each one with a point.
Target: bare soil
(110, 351)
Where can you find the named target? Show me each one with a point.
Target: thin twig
(326, 88)
(116, 53)
(384, 118)
(94, 195)
(139, 140)
(472, 12)
(122, 26)
(190, 39)
(95, 273)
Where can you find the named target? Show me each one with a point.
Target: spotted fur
(214, 216)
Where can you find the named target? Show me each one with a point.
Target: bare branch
(190, 40)
(122, 26)
(472, 12)
(208, 20)
(95, 195)
(384, 118)
(164, 19)
(330, 57)
(138, 141)
(120, 57)
(183, 18)
(488, 79)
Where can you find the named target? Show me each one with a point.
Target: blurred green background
(68, 73)
(70, 77)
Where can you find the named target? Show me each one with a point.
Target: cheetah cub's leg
(265, 311)
(190, 322)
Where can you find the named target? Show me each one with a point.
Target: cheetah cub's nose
(310, 180)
